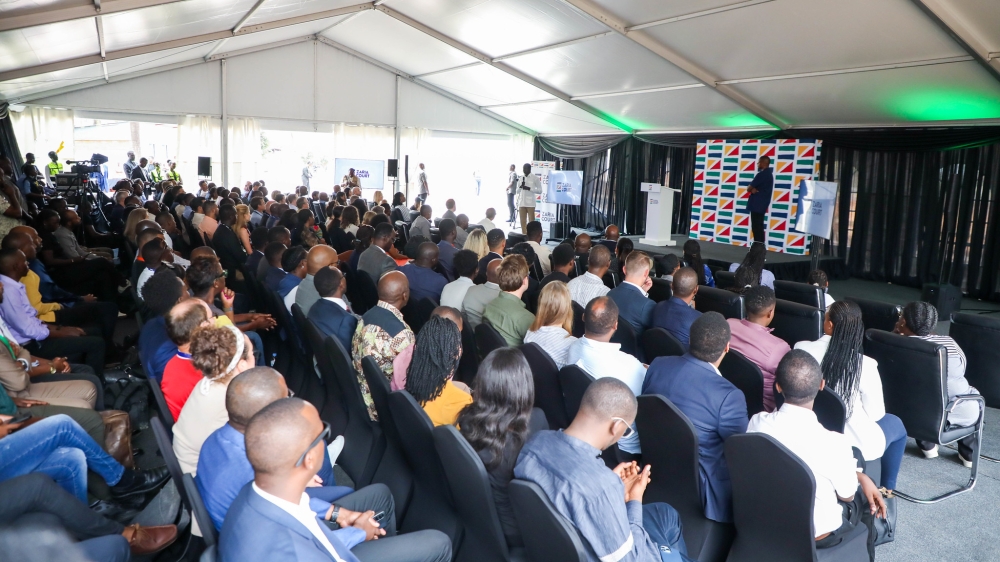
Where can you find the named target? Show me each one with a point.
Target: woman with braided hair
(428, 378)
(692, 257)
(855, 378)
(919, 320)
(751, 272)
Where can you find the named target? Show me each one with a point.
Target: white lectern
(659, 214)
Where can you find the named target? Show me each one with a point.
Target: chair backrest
(794, 322)
(657, 342)
(764, 472)
(877, 315)
(417, 313)
(417, 439)
(726, 303)
(661, 290)
(165, 444)
(198, 511)
(378, 386)
(547, 535)
(358, 421)
(300, 321)
(209, 555)
(574, 382)
(914, 376)
(333, 411)
(470, 489)
(578, 327)
(396, 215)
(488, 339)
(367, 290)
(746, 376)
(468, 364)
(610, 279)
(625, 335)
(979, 338)
(670, 444)
(802, 293)
(830, 410)
(548, 391)
(724, 279)
(167, 418)
(358, 303)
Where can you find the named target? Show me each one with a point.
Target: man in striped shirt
(590, 285)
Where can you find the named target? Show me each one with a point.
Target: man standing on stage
(511, 192)
(306, 174)
(760, 197)
(422, 185)
(129, 165)
(530, 185)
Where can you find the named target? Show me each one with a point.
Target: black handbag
(884, 529)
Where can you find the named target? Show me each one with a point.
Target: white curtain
(244, 151)
(42, 129)
(198, 136)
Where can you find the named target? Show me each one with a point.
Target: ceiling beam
(177, 43)
(80, 11)
(100, 36)
(544, 48)
(642, 38)
(945, 19)
(502, 67)
(692, 15)
(416, 80)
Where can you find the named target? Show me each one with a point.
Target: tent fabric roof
(565, 66)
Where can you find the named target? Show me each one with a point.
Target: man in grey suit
(375, 261)
(422, 225)
(479, 296)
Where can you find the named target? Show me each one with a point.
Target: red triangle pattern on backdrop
(697, 202)
(694, 226)
(785, 197)
(725, 232)
(786, 167)
(700, 176)
(714, 192)
(708, 218)
(748, 167)
(734, 151)
(810, 152)
(716, 165)
(744, 221)
(728, 178)
(728, 205)
(702, 150)
(769, 152)
(799, 241)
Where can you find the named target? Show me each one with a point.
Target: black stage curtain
(8, 144)
(582, 146)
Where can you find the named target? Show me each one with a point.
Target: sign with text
(817, 201)
(371, 173)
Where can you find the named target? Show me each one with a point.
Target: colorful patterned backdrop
(722, 171)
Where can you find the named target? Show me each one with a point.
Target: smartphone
(20, 418)
(379, 516)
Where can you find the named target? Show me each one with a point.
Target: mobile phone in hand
(378, 517)
(20, 418)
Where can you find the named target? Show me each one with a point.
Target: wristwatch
(334, 516)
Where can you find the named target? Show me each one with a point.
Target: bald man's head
(493, 271)
(320, 256)
(252, 390)
(685, 282)
(599, 258)
(450, 313)
(202, 252)
(394, 289)
(20, 241)
(600, 318)
(611, 232)
(582, 243)
(427, 255)
(146, 224)
(184, 317)
(607, 398)
(278, 434)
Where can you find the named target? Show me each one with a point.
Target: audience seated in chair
(552, 329)
(272, 517)
(375, 260)
(827, 454)
(382, 334)
(160, 294)
(563, 262)
(209, 223)
(154, 254)
(293, 262)
(180, 376)
(447, 247)
(429, 376)
(677, 314)
(534, 235)
(422, 224)
(424, 281)
(477, 298)
(597, 356)
(258, 240)
(226, 241)
(632, 295)
(715, 407)
(465, 266)
(919, 320)
(855, 378)
(590, 285)
(496, 240)
(274, 274)
(818, 278)
(331, 313)
(751, 272)
(753, 338)
(499, 422)
(305, 294)
(220, 354)
(567, 466)
(507, 312)
(280, 235)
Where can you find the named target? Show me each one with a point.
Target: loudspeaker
(406, 170)
(100, 158)
(557, 230)
(947, 298)
(204, 166)
(393, 168)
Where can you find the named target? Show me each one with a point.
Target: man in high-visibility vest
(172, 173)
(156, 175)
(54, 167)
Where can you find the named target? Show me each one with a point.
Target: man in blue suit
(271, 518)
(331, 313)
(676, 315)
(716, 408)
(632, 298)
(274, 274)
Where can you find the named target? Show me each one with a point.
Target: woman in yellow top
(428, 378)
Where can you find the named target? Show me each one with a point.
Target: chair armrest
(962, 398)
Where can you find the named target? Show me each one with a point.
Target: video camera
(92, 166)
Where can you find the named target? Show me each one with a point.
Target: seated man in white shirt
(595, 354)
(836, 509)
(487, 223)
(466, 265)
(543, 252)
(590, 285)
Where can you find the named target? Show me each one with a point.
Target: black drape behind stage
(913, 203)
(8, 144)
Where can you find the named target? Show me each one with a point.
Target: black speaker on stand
(393, 168)
(945, 297)
(205, 166)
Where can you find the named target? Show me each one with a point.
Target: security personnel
(156, 175)
(54, 167)
(172, 173)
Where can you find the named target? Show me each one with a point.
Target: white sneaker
(930, 453)
(335, 449)
(968, 464)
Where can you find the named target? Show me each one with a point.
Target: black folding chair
(661, 290)
(657, 342)
(368, 291)
(488, 339)
(802, 293)
(979, 338)
(578, 327)
(746, 376)
(548, 536)
(626, 337)
(199, 513)
(548, 391)
(794, 322)
(393, 470)
(724, 279)
(876, 315)
(167, 418)
(726, 303)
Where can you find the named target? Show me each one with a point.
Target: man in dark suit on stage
(331, 313)
(716, 408)
(760, 197)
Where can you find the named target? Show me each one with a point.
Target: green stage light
(944, 104)
(741, 121)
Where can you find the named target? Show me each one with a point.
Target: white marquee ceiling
(566, 66)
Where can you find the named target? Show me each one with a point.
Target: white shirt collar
(589, 274)
(337, 300)
(644, 293)
(303, 514)
(492, 285)
(601, 345)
